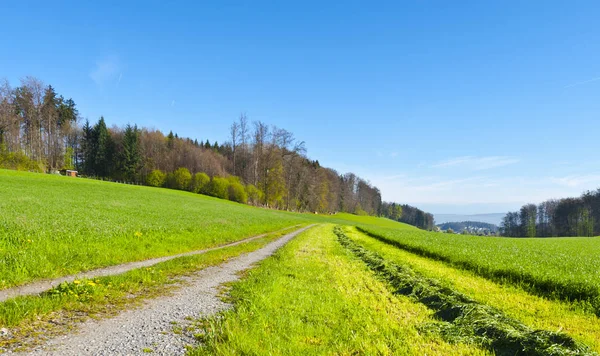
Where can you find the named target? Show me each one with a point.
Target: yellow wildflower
(76, 282)
(138, 234)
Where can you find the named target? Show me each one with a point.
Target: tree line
(38, 127)
(408, 214)
(260, 164)
(556, 217)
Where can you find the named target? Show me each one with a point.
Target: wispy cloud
(107, 70)
(582, 82)
(477, 163)
(577, 180)
(172, 103)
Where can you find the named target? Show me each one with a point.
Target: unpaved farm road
(44, 285)
(137, 331)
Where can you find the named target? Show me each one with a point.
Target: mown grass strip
(30, 319)
(315, 298)
(557, 268)
(467, 319)
(534, 311)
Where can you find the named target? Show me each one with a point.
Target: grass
(533, 311)
(313, 297)
(468, 320)
(52, 225)
(556, 268)
(54, 312)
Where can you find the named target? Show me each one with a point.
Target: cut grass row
(557, 268)
(534, 311)
(468, 320)
(32, 318)
(313, 297)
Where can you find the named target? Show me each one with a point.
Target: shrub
(218, 187)
(181, 179)
(156, 178)
(19, 161)
(199, 183)
(238, 193)
(255, 195)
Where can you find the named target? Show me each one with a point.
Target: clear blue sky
(456, 107)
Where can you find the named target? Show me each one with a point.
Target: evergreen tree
(87, 146)
(170, 140)
(103, 149)
(130, 156)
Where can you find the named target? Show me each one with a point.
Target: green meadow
(559, 268)
(350, 285)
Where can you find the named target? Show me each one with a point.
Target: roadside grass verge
(467, 320)
(313, 297)
(534, 311)
(52, 226)
(557, 268)
(31, 319)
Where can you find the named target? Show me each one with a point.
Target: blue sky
(456, 107)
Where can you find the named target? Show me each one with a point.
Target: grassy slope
(313, 298)
(536, 312)
(566, 268)
(52, 225)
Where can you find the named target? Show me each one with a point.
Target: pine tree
(103, 149)
(87, 147)
(170, 140)
(130, 156)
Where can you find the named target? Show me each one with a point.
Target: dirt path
(44, 285)
(151, 327)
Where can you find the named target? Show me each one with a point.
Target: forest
(556, 217)
(408, 215)
(260, 164)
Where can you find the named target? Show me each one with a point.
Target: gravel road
(151, 327)
(44, 285)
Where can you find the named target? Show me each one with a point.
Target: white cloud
(514, 190)
(107, 70)
(172, 102)
(477, 163)
(577, 180)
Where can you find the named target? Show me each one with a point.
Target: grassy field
(313, 297)
(377, 287)
(560, 268)
(535, 312)
(53, 225)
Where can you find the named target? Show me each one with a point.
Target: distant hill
(495, 218)
(473, 227)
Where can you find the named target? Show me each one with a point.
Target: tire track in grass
(467, 320)
(45, 285)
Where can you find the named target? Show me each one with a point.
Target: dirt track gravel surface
(152, 327)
